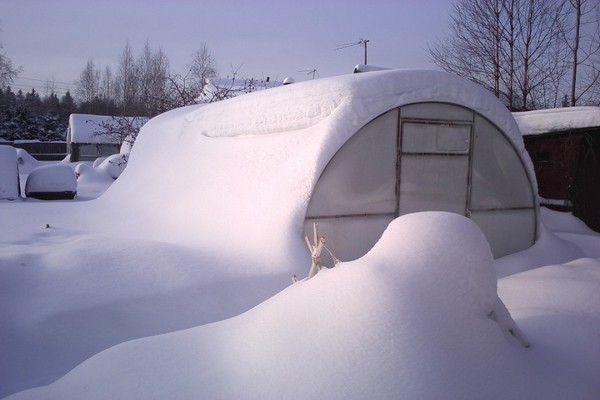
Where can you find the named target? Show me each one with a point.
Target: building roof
(339, 106)
(557, 120)
(87, 128)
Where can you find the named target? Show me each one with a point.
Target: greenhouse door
(434, 166)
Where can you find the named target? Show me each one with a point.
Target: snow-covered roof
(347, 101)
(337, 107)
(557, 119)
(84, 128)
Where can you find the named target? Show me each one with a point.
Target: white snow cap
(368, 68)
(557, 119)
(51, 178)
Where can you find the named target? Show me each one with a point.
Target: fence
(42, 151)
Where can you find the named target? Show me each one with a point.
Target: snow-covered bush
(114, 165)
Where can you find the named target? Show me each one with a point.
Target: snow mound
(51, 178)
(559, 308)
(9, 174)
(408, 320)
(26, 162)
(114, 165)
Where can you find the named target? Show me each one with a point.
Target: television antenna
(310, 71)
(361, 42)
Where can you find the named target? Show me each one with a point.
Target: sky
(53, 39)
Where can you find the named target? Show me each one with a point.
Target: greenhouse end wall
(424, 157)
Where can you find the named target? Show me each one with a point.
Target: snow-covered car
(52, 182)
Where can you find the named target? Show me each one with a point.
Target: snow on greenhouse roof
(557, 119)
(348, 102)
(339, 106)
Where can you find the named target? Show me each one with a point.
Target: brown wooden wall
(567, 167)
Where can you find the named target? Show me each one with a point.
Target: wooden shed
(564, 146)
(92, 136)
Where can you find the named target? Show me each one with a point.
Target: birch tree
(7, 71)
(88, 85)
(511, 47)
(582, 36)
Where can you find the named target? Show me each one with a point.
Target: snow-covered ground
(176, 283)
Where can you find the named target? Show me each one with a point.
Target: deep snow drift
(410, 320)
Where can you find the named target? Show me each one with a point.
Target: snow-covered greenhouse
(351, 153)
(438, 143)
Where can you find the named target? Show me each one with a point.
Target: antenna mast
(362, 42)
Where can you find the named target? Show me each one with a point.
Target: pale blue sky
(53, 39)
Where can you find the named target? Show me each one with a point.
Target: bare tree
(180, 91)
(127, 82)
(153, 70)
(201, 68)
(511, 47)
(540, 50)
(472, 49)
(88, 85)
(107, 84)
(120, 129)
(582, 36)
(7, 72)
(189, 88)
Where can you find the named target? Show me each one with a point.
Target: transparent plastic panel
(439, 111)
(361, 177)
(348, 238)
(433, 182)
(499, 177)
(435, 138)
(108, 149)
(507, 231)
(88, 150)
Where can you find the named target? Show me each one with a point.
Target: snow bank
(409, 319)
(562, 238)
(9, 173)
(559, 308)
(557, 119)
(27, 162)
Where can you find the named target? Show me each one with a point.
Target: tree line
(144, 86)
(27, 116)
(532, 54)
(139, 87)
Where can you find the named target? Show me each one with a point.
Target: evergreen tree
(67, 106)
